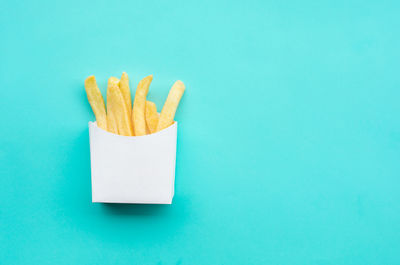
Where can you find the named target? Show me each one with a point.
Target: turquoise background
(289, 131)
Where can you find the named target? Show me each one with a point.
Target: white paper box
(133, 169)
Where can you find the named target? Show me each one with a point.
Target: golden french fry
(151, 116)
(96, 101)
(111, 106)
(139, 106)
(171, 104)
(126, 93)
(117, 113)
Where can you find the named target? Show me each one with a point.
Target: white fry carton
(133, 169)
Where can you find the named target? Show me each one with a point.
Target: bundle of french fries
(123, 119)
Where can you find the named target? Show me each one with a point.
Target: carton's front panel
(132, 169)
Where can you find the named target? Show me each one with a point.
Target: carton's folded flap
(131, 169)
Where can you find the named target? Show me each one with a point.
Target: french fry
(126, 93)
(117, 113)
(171, 104)
(139, 106)
(96, 101)
(151, 116)
(111, 107)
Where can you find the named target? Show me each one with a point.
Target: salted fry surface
(152, 116)
(96, 101)
(139, 106)
(171, 104)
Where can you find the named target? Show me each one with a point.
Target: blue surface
(289, 136)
